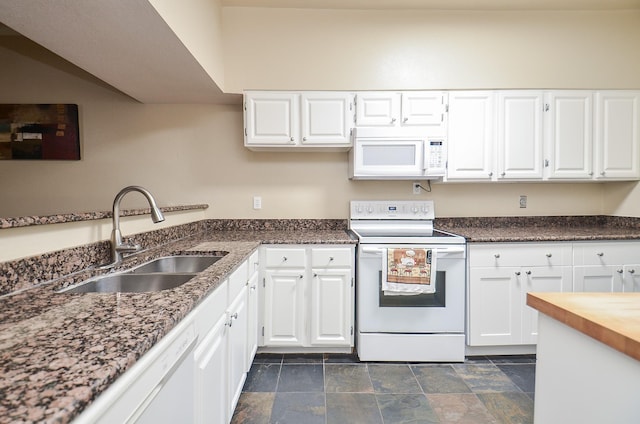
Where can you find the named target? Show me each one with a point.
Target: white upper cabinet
(470, 135)
(377, 109)
(617, 135)
(298, 120)
(424, 109)
(271, 119)
(326, 118)
(519, 135)
(568, 134)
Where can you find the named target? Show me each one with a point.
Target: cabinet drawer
(211, 309)
(511, 254)
(609, 253)
(237, 280)
(333, 257)
(285, 257)
(254, 262)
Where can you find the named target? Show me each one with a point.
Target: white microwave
(395, 154)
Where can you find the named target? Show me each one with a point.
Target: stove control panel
(392, 209)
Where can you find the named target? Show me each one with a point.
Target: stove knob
(370, 209)
(414, 209)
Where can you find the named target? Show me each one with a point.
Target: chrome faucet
(117, 246)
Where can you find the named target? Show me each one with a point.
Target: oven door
(440, 312)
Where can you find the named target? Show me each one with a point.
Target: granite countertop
(58, 352)
(611, 318)
(541, 229)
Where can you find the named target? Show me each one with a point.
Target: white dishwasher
(159, 388)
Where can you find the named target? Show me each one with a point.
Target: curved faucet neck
(117, 246)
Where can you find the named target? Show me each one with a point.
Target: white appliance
(418, 327)
(398, 153)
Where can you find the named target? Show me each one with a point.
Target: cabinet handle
(601, 254)
(503, 174)
(619, 271)
(546, 163)
(491, 174)
(253, 287)
(528, 272)
(231, 318)
(497, 255)
(301, 276)
(591, 174)
(602, 173)
(632, 271)
(393, 120)
(518, 273)
(548, 255)
(546, 107)
(284, 259)
(315, 275)
(292, 139)
(330, 258)
(405, 119)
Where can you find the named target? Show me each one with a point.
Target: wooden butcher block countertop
(611, 318)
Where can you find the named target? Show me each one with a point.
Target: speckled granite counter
(540, 229)
(58, 352)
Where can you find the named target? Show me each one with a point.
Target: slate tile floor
(338, 389)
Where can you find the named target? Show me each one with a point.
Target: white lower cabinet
(605, 266)
(331, 307)
(252, 308)
(308, 296)
(212, 394)
(500, 275)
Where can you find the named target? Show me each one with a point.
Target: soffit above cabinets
(441, 4)
(125, 44)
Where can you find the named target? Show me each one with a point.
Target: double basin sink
(159, 274)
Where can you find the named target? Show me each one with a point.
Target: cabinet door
(285, 312)
(271, 119)
(541, 279)
(631, 283)
(331, 307)
(607, 279)
(568, 132)
(237, 319)
(326, 118)
(617, 135)
(471, 132)
(252, 319)
(520, 135)
(211, 379)
(377, 109)
(495, 306)
(426, 109)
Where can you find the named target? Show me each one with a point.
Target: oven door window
(431, 300)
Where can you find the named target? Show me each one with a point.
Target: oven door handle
(439, 250)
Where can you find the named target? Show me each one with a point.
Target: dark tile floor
(338, 389)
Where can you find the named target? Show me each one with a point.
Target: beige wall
(194, 153)
(360, 50)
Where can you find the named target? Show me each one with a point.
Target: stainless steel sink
(164, 273)
(131, 283)
(172, 264)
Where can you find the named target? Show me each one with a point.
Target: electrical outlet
(523, 201)
(257, 202)
(416, 187)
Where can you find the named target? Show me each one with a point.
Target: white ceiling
(441, 4)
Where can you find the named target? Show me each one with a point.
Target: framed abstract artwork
(39, 132)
